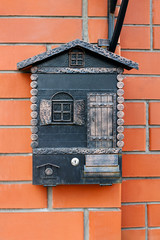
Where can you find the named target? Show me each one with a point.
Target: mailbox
(77, 114)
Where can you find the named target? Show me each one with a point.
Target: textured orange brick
(15, 85)
(135, 37)
(154, 215)
(97, 28)
(141, 190)
(148, 62)
(153, 234)
(133, 234)
(87, 196)
(15, 112)
(141, 165)
(15, 140)
(134, 113)
(134, 139)
(156, 37)
(156, 11)
(18, 54)
(17, 168)
(41, 225)
(154, 113)
(154, 140)
(105, 225)
(138, 12)
(133, 216)
(37, 30)
(97, 8)
(49, 7)
(142, 88)
(23, 196)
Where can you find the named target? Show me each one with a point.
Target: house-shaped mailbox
(77, 114)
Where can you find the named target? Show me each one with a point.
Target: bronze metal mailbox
(77, 114)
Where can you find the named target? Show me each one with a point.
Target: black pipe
(112, 5)
(118, 26)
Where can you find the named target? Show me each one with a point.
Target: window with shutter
(102, 120)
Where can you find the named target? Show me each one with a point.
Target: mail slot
(77, 114)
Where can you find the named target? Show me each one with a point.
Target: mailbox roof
(124, 62)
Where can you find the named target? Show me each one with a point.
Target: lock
(75, 161)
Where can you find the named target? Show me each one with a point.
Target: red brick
(141, 165)
(97, 8)
(39, 30)
(154, 215)
(15, 85)
(23, 196)
(156, 37)
(133, 234)
(97, 28)
(105, 225)
(135, 37)
(142, 88)
(15, 112)
(48, 8)
(134, 113)
(93, 196)
(133, 216)
(134, 139)
(148, 62)
(154, 113)
(154, 139)
(138, 12)
(17, 168)
(153, 234)
(141, 190)
(15, 140)
(41, 225)
(18, 54)
(156, 11)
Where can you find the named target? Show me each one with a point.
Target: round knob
(48, 171)
(75, 161)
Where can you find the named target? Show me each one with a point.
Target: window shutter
(102, 120)
(45, 111)
(79, 112)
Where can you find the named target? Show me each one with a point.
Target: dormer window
(76, 58)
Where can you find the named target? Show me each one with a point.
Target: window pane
(56, 116)
(79, 62)
(66, 116)
(57, 107)
(73, 62)
(66, 107)
(73, 56)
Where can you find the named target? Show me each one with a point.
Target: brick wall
(80, 212)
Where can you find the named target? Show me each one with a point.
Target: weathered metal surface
(33, 84)
(120, 121)
(120, 114)
(34, 114)
(76, 70)
(120, 129)
(120, 107)
(120, 136)
(34, 122)
(101, 160)
(33, 107)
(34, 137)
(120, 77)
(128, 64)
(33, 99)
(101, 169)
(103, 42)
(120, 84)
(55, 151)
(120, 100)
(101, 119)
(34, 77)
(45, 111)
(34, 144)
(34, 129)
(120, 92)
(79, 112)
(120, 144)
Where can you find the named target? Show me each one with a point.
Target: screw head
(75, 161)
(48, 171)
